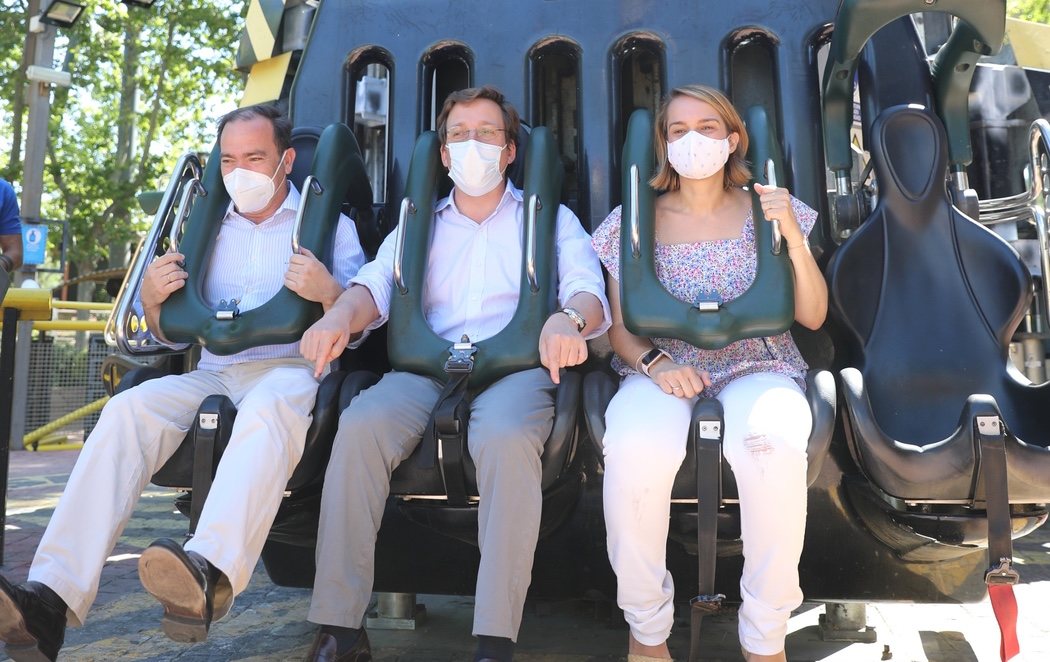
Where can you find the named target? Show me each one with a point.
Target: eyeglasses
(485, 134)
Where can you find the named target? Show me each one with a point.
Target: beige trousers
(139, 430)
(509, 423)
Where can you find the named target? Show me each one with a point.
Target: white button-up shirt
(249, 261)
(473, 275)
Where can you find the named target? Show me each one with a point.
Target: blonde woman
(705, 243)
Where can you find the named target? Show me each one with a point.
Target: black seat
(931, 299)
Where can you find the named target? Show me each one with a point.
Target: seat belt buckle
(708, 302)
(709, 603)
(461, 357)
(227, 310)
(1002, 574)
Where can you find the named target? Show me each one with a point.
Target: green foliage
(1029, 10)
(148, 85)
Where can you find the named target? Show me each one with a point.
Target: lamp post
(46, 14)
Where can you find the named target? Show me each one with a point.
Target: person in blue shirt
(10, 229)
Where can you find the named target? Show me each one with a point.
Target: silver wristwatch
(579, 320)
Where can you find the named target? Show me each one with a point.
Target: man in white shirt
(273, 387)
(471, 287)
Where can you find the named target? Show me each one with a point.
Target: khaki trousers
(139, 430)
(509, 423)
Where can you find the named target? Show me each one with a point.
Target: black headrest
(516, 170)
(304, 141)
(910, 149)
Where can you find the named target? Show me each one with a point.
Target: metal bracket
(207, 421)
(710, 430)
(227, 310)
(1002, 574)
(461, 356)
(708, 604)
(990, 425)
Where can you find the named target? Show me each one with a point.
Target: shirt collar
(291, 203)
(511, 192)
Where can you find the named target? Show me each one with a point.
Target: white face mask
(695, 156)
(250, 190)
(475, 166)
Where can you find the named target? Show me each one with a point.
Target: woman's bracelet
(804, 244)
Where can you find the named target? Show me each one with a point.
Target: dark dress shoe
(32, 621)
(185, 584)
(325, 649)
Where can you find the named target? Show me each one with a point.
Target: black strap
(1001, 575)
(992, 440)
(204, 465)
(443, 421)
(211, 434)
(707, 433)
(445, 437)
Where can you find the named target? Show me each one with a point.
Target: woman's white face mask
(695, 156)
(250, 190)
(475, 167)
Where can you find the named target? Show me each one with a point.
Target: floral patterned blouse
(724, 266)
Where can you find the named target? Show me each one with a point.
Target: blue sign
(34, 243)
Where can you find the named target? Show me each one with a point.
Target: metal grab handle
(1039, 152)
(193, 189)
(778, 237)
(407, 207)
(636, 232)
(119, 331)
(530, 241)
(310, 185)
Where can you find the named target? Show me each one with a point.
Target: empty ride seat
(931, 300)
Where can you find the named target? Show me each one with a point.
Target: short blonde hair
(736, 173)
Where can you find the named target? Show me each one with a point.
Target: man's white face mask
(475, 166)
(250, 190)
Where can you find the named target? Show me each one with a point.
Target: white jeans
(139, 430)
(767, 425)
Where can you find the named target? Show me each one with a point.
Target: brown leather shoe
(32, 621)
(325, 649)
(185, 585)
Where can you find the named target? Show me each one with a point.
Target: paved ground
(268, 622)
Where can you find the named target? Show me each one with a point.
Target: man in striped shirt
(273, 387)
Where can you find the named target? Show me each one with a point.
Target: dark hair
(282, 126)
(511, 122)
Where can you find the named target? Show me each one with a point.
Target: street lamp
(62, 13)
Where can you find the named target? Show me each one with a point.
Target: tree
(1029, 10)
(147, 85)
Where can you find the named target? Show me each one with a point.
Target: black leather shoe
(191, 590)
(325, 649)
(32, 621)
